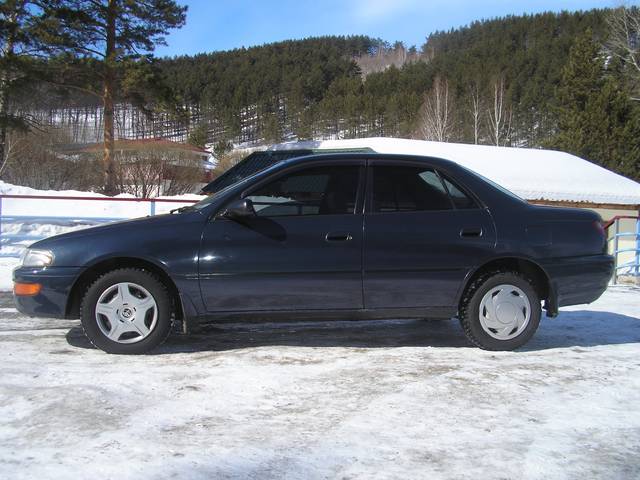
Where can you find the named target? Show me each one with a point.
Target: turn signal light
(26, 289)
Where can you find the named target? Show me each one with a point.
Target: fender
(551, 300)
(187, 305)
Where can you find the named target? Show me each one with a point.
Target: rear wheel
(126, 311)
(500, 311)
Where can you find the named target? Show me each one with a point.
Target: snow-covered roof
(141, 144)
(533, 174)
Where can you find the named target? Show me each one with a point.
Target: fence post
(638, 249)
(153, 207)
(615, 250)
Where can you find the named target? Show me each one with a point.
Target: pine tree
(20, 21)
(614, 129)
(111, 37)
(595, 117)
(582, 79)
(12, 15)
(199, 135)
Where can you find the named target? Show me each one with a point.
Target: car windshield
(211, 198)
(254, 163)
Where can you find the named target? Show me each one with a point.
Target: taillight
(603, 234)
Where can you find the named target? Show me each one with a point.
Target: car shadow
(581, 328)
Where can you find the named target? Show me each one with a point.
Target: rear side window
(313, 191)
(408, 189)
(460, 199)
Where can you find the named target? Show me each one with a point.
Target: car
(338, 236)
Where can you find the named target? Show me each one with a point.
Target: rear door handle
(471, 232)
(337, 237)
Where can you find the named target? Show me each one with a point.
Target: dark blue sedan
(342, 236)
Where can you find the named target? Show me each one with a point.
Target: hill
(496, 81)
(316, 87)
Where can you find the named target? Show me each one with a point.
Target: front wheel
(126, 311)
(500, 311)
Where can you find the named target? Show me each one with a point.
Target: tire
(134, 312)
(500, 311)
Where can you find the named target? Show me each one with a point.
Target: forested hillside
(527, 53)
(314, 87)
(263, 92)
(501, 81)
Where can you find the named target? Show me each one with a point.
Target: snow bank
(52, 217)
(531, 173)
(80, 208)
(6, 273)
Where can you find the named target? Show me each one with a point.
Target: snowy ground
(384, 399)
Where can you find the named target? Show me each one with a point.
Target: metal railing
(631, 268)
(16, 242)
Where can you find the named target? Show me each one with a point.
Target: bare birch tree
(624, 40)
(436, 113)
(499, 115)
(476, 107)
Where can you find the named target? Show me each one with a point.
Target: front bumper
(578, 280)
(56, 284)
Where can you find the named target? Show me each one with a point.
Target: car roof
(366, 156)
(263, 159)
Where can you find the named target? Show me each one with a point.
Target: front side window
(408, 189)
(330, 190)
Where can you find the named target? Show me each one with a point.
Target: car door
(301, 251)
(423, 234)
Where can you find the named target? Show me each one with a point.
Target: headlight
(37, 258)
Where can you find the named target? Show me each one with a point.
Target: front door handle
(338, 237)
(471, 232)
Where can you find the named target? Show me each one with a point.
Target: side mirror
(240, 209)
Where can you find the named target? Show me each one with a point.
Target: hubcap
(505, 312)
(126, 313)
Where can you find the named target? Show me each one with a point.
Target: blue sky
(223, 25)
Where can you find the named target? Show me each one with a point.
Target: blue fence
(632, 267)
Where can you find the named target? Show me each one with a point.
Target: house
(542, 177)
(153, 166)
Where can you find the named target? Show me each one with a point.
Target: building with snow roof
(543, 177)
(539, 176)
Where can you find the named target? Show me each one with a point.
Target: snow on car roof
(533, 174)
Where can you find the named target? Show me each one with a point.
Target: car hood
(114, 228)
(150, 237)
